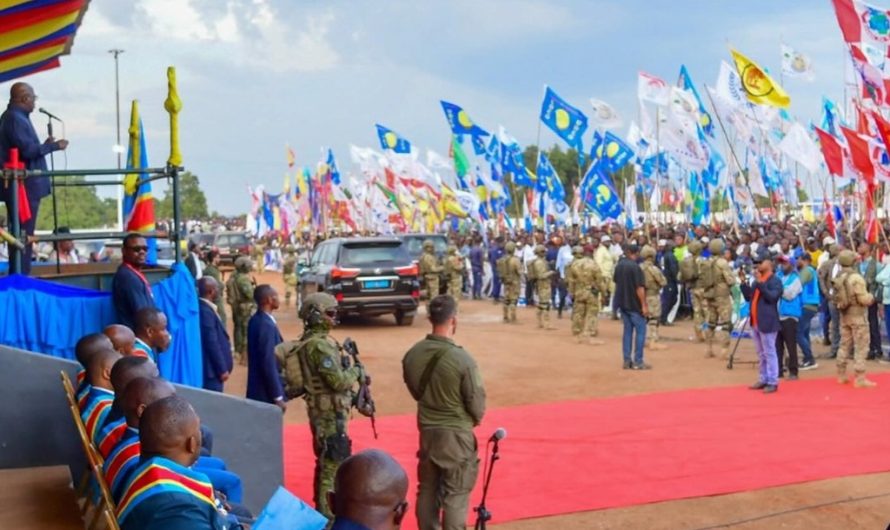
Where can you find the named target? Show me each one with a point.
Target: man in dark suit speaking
(263, 379)
(215, 345)
(17, 131)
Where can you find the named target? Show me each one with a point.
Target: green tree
(79, 207)
(192, 201)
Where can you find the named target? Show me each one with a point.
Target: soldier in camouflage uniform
(585, 282)
(699, 316)
(212, 270)
(239, 291)
(259, 255)
(852, 299)
(654, 280)
(541, 273)
(454, 270)
(289, 273)
(509, 268)
(718, 298)
(315, 369)
(430, 269)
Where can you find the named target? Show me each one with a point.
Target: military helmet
(833, 249)
(647, 252)
(428, 244)
(847, 258)
(243, 263)
(452, 249)
(539, 249)
(290, 249)
(577, 250)
(320, 302)
(510, 247)
(716, 246)
(694, 247)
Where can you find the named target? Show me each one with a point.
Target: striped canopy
(35, 33)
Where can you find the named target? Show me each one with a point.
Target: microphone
(48, 113)
(498, 435)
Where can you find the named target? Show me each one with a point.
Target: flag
(831, 118)
(796, 64)
(615, 153)
(331, 170)
(138, 205)
(389, 139)
(832, 152)
(461, 163)
(869, 64)
(758, 85)
(685, 82)
(604, 114)
(548, 181)
(597, 193)
(860, 154)
(798, 145)
(861, 22)
(653, 89)
(291, 156)
(460, 121)
(565, 120)
(883, 127)
(513, 161)
(829, 219)
(479, 147)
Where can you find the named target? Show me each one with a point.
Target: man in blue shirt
(17, 131)
(215, 344)
(495, 252)
(130, 290)
(263, 379)
(477, 256)
(369, 492)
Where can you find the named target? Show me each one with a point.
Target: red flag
(832, 152)
(24, 204)
(883, 128)
(862, 124)
(829, 219)
(857, 19)
(859, 154)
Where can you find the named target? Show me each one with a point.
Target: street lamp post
(117, 146)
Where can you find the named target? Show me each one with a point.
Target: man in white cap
(606, 262)
(827, 241)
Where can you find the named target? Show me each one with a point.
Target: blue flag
(615, 152)
(389, 139)
(598, 194)
(333, 171)
(513, 162)
(544, 172)
(479, 146)
(565, 120)
(460, 121)
(705, 122)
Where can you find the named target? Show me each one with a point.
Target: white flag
(798, 145)
(796, 64)
(604, 114)
(652, 88)
(755, 181)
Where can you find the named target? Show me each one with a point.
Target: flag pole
(731, 147)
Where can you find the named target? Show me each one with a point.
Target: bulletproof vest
(289, 266)
(586, 271)
(707, 274)
(689, 269)
(319, 396)
(841, 296)
(649, 277)
(501, 266)
(232, 292)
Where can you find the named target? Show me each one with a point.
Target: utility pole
(118, 148)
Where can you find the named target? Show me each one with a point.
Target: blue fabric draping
(46, 317)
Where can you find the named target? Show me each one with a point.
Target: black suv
(367, 275)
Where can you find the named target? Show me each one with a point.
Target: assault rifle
(363, 401)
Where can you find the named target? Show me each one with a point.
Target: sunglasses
(142, 248)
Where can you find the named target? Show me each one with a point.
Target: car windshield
(237, 240)
(415, 245)
(367, 254)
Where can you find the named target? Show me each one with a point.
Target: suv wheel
(404, 320)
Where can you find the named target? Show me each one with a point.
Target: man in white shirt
(527, 255)
(65, 251)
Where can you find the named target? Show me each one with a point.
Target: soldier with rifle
(316, 368)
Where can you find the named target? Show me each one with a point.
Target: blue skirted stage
(49, 318)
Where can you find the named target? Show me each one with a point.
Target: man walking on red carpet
(764, 295)
(444, 380)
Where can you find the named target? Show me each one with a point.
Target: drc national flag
(565, 120)
(597, 193)
(389, 139)
(460, 121)
(138, 205)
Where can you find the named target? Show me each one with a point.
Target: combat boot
(595, 342)
(842, 379)
(863, 382)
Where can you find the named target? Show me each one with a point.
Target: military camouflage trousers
(854, 343)
(544, 296)
(331, 445)
(432, 285)
(719, 312)
(511, 296)
(653, 301)
(585, 314)
(699, 312)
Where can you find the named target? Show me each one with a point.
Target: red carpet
(587, 455)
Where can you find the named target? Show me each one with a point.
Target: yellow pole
(173, 105)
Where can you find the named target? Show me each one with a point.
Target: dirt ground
(521, 364)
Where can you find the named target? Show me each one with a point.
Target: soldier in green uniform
(653, 280)
(454, 270)
(430, 269)
(289, 273)
(315, 369)
(212, 270)
(716, 278)
(689, 275)
(585, 283)
(509, 268)
(259, 254)
(444, 380)
(239, 292)
(541, 273)
(852, 299)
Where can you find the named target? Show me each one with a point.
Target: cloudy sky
(255, 75)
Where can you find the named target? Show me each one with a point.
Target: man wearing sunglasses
(130, 289)
(17, 131)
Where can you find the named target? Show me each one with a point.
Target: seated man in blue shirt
(130, 290)
(369, 492)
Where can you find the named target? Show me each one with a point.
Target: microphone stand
(482, 513)
(52, 180)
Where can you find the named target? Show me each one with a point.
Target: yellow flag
(758, 85)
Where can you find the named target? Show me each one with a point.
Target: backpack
(707, 276)
(501, 266)
(232, 293)
(689, 269)
(530, 273)
(840, 296)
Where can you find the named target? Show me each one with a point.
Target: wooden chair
(71, 396)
